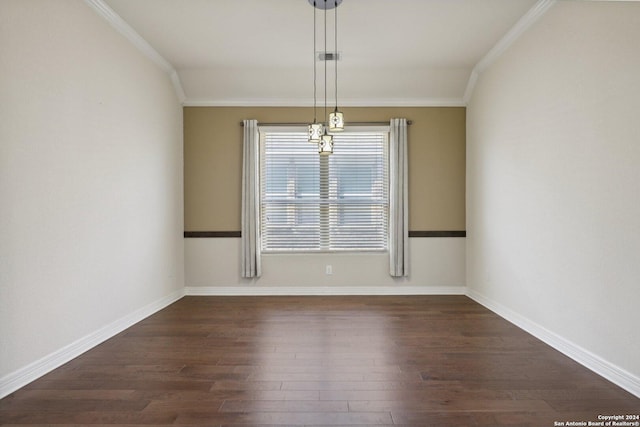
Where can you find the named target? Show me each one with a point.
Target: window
(310, 202)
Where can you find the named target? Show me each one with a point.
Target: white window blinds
(310, 202)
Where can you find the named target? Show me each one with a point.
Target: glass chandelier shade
(325, 146)
(316, 130)
(336, 121)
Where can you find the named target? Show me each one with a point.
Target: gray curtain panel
(250, 200)
(399, 203)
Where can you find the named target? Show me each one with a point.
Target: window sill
(341, 253)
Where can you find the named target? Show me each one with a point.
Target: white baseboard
(23, 376)
(604, 368)
(322, 290)
(33, 371)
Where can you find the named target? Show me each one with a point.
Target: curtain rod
(409, 122)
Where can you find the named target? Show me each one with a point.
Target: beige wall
(90, 185)
(213, 162)
(553, 182)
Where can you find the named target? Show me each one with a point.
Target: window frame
(324, 168)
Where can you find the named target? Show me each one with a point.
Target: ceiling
(260, 52)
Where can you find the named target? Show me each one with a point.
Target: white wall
(212, 266)
(90, 180)
(553, 181)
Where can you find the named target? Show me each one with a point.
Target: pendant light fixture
(326, 145)
(336, 119)
(318, 131)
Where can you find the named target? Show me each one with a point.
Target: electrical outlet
(328, 270)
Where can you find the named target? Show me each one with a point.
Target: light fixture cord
(315, 90)
(325, 59)
(335, 58)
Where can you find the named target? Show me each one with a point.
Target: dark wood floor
(415, 361)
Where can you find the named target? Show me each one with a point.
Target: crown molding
(520, 27)
(471, 84)
(177, 86)
(120, 25)
(523, 24)
(427, 102)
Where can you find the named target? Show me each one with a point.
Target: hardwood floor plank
(309, 377)
(72, 416)
(614, 406)
(53, 403)
(306, 368)
(284, 406)
(290, 418)
(351, 385)
(318, 361)
(247, 385)
(450, 405)
(434, 419)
